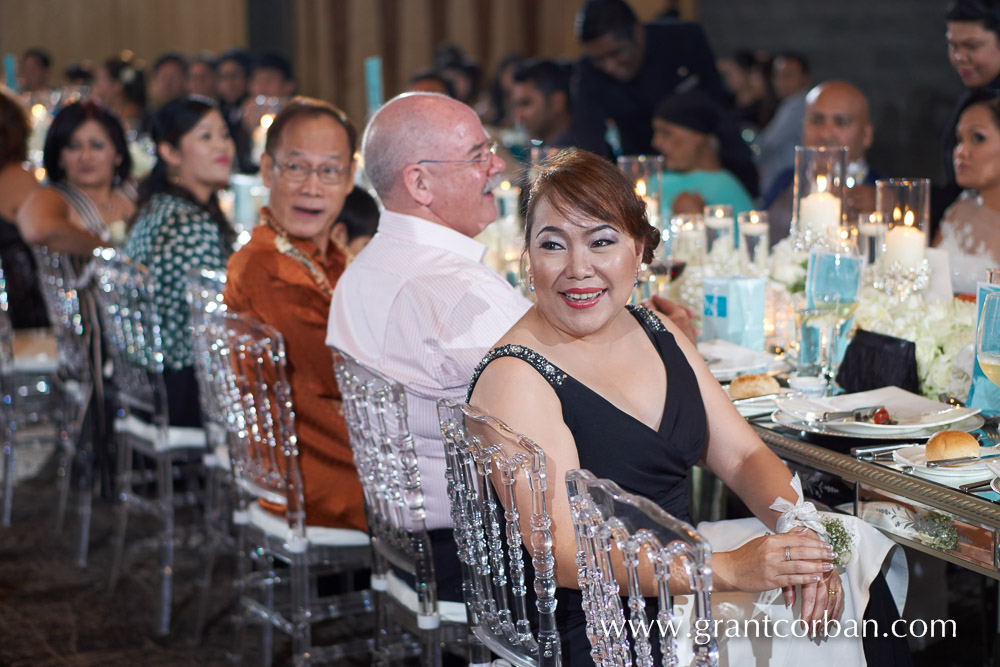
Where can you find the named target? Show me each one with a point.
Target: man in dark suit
(629, 67)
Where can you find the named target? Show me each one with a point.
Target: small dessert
(751, 386)
(945, 445)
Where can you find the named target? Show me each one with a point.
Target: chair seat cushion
(178, 437)
(451, 612)
(277, 526)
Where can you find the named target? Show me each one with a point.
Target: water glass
(833, 280)
(988, 338)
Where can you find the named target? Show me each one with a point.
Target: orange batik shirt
(280, 290)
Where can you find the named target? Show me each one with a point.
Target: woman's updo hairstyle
(579, 183)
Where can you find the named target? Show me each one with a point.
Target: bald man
(836, 114)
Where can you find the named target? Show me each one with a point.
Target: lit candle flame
(719, 213)
(873, 218)
(908, 219)
(40, 174)
(640, 188)
(897, 214)
(821, 183)
(505, 185)
(266, 120)
(37, 111)
(754, 218)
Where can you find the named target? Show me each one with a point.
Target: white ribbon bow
(799, 514)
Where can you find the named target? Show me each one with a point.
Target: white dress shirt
(420, 307)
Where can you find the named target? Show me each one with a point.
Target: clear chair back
(376, 413)
(647, 537)
(205, 298)
(491, 471)
(63, 292)
(259, 399)
(131, 329)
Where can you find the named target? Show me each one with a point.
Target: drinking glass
(833, 280)
(988, 338)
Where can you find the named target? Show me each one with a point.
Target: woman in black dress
(621, 392)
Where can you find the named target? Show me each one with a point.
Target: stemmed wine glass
(988, 338)
(833, 280)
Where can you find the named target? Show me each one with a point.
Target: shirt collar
(424, 232)
(333, 253)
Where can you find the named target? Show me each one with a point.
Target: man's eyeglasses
(490, 152)
(298, 172)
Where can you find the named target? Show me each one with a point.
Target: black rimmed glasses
(490, 152)
(298, 172)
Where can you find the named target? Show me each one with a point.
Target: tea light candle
(905, 244)
(872, 227)
(718, 221)
(652, 206)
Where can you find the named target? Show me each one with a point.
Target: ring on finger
(832, 591)
(788, 554)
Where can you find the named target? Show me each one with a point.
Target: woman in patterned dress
(179, 226)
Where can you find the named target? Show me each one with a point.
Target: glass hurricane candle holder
(754, 242)
(818, 193)
(720, 225)
(645, 173)
(903, 204)
(685, 239)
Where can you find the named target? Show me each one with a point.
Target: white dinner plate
(911, 412)
(968, 425)
(915, 456)
(729, 360)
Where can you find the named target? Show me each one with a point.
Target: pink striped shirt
(419, 306)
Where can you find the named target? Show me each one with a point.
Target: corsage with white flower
(829, 529)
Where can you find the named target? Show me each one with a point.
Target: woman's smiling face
(583, 269)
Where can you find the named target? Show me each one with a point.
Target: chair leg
(479, 655)
(85, 487)
(266, 629)
(66, 452)
(301, 615)
(165, 494)
(8, 476)
(124, 500)
(209, 548)
(430, 647)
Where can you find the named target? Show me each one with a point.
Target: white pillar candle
(753, 229)
(819, 211)
(719, 223)
(905, 245)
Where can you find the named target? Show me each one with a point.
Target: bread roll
(951, 445)
(748, 386)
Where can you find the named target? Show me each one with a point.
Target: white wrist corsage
(829, 529)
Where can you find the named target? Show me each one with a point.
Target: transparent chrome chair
(143, 432)
(28, 396)
(266, 470)
(376, 413)
(205, 299)
(487, 464)
(607, 520)
(63, 291)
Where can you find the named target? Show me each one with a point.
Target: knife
(859, 414)
(960, 461)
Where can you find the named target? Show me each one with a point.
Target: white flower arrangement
(788, 266)
(944, 335)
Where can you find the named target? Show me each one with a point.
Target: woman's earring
(531, 283)
(636, 283)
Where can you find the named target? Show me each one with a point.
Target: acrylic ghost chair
(66, 294)
(487, 463)
(205, 299)
(264, 456)
(143, 432)
(376, 412)
(28, 399)
(605, 516)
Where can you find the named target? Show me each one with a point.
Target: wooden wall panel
(331, 38)
(73, 30)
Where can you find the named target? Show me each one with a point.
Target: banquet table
(912, 510)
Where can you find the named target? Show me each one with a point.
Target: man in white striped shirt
(417, 304)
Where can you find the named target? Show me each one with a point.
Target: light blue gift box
(734, 310)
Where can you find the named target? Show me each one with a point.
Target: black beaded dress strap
(615, 445)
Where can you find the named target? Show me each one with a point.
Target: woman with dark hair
(707, 162)
(25, 305)
(619, 391)
(970, 228)
(179, 226)
(356, 224)
(89, 195)
(122, 86)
